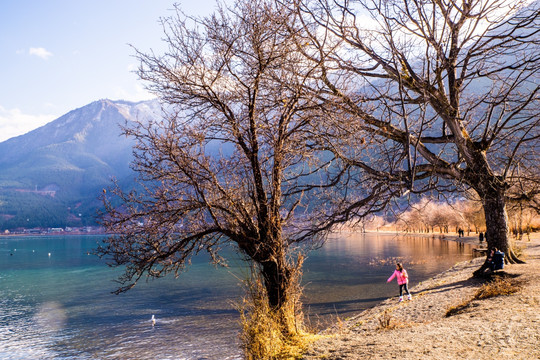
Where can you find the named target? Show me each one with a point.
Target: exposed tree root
(511, 258)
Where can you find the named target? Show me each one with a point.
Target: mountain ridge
(63, 165)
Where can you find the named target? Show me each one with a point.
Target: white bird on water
(153, 320)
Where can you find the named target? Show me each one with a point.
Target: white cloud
(135, 93)
(40, 52)
(13, 122)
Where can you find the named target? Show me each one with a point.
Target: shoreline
(469, 239)
(420, 329)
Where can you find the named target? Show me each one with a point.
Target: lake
(56, 301)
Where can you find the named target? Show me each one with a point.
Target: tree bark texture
(277, 278)
(497, 231)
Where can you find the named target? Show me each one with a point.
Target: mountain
(53, 176)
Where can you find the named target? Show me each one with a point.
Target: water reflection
(61, 307)
(349, 273)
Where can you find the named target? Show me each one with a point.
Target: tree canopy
(235, 158)
(441, 95)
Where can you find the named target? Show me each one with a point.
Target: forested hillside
(53, 176)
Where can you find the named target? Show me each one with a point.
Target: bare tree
(414, 219)
(233, 161)
(525, 200)
(474, 215)
(447, 92)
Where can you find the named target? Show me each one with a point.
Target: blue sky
(58, 55)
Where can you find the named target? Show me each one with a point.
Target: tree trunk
(496, 222)
(277, 277)
(278, 281)
(497, 234)
(520, 222)
(273, 268)
(497, 225)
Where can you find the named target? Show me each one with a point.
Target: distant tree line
(28, 210)
(431, 216)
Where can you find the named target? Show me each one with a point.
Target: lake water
(56, 301)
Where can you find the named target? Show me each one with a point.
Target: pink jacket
(402, 277)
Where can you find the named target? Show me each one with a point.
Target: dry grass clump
(501, 285)
(269, 334)
(497, 287)
(386, 321)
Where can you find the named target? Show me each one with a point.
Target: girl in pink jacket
(402, 279)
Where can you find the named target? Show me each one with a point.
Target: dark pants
(401, 287)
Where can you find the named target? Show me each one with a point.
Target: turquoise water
(56, 301)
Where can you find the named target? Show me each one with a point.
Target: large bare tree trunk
(497, 232)
(277, 278)
(496, 221)
(276, 272)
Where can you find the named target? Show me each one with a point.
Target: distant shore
(471, 239)
(86, 230)
(502, 327)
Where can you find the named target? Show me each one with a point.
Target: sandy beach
(501, 327)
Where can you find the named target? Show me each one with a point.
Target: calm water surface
(56, 301)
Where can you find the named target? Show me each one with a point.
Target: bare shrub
(269, 333)
(499, 286)
(386, 321)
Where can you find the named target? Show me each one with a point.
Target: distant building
(51, 193)
(33, 231)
